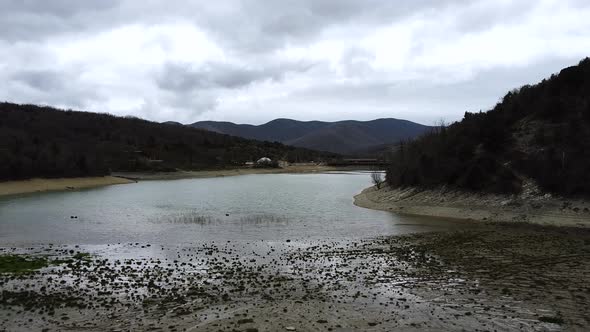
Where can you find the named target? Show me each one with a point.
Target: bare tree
(377, 178)
(440, 126)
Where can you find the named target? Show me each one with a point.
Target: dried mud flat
(486, 278)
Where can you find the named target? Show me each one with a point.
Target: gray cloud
(249, 25)
(428, 101)
(42, 80)
(51, 88)
(34, 20)
(259, 26)
(183, 77)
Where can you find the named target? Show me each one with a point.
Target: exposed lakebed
(271, 252)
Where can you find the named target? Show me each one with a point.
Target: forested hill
(539, 132)
(46, 142)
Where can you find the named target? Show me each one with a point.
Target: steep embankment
(539, 132)
(526, 160)
(531, 205)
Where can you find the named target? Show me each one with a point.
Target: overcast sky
(253, 61)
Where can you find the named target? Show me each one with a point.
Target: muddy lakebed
(280, 252)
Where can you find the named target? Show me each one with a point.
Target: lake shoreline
(37, 185)
(525, 208)
(293, 169)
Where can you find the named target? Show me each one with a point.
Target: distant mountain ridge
(344, 137)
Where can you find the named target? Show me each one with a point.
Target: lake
(265, 252)
(245, 208)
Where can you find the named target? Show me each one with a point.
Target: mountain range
(347, 137)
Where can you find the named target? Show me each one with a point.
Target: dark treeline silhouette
(540, 132)
(40, 141)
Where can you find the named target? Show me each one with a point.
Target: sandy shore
(530, 206)
(40, 185)
(229, 172)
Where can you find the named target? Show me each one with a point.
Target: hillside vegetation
(540, 132)
(344, 137)
(46, 142)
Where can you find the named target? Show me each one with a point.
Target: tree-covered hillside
(46, 142)
(541, 132)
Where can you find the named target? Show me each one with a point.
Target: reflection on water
(186, 218)
(263, 219)
(195, 217)
(244, 208)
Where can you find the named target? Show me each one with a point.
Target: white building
(264, 160)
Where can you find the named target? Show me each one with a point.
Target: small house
(264, 161)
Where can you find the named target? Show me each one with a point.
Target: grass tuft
(21, 263)
(553, 320)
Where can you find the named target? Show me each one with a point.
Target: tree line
(40, 141)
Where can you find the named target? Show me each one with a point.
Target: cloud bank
(252, 61)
